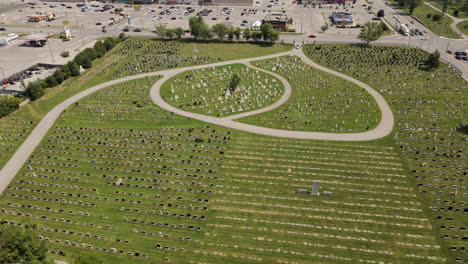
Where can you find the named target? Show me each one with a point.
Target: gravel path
(384, 128)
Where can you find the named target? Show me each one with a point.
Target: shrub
(8, 104)
(87, 63)
(436, 17)
(65, 54)
(456, 12)
(58, 75)
(429, 16)
(74, 68)
(34, 90)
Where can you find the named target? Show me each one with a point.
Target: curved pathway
(453, 25)
(384, 128)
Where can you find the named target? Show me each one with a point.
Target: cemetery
(120, 177)
(430, 109)
(210, 91)
(107, 179)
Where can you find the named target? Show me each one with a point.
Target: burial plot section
(213, 91)
(430, 107)
(319, 101)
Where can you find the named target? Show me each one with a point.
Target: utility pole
(3, 73)
(444, 8)
(82, 34)
(51, 54)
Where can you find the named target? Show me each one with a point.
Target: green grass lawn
(441, 28)
(319, 101)
(452, 6)
(463, 26)
(207, 91)
(146, 55)
(117, 172)
(429, 108)
(16, 127)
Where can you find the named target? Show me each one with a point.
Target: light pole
(3, 73)
(51, 54)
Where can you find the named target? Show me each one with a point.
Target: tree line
(21, 245)
(201, 31)
(84, 59)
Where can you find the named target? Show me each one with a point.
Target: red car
(312, 36)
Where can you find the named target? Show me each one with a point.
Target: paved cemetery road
(384, 128)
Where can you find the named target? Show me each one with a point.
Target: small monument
(315, 188)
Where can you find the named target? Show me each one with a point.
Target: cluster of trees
(21, 245)
(84, 59)
(235, 81)
(200, 30)
(371, 31)
(410, 4)
(433, 61)
(8, 104)
(163, 32)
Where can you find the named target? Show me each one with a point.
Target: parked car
(2, 29)
(137, 30)
(125, 30)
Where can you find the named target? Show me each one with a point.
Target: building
(278, 21)
(41, 17)
(8, 39)
(36, 40)
(341, 18)
(226, 2)
(318, 2)
(256, 25)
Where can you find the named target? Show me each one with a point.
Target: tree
(160, 30)
(198, 28)
(99, 49)
(436, 17)
(87, 63)
(220, 30)
(235, 80)
(324, 27)
(266, 29)
(256, 35)
(412, 4)
(50, 82)
(122, 36)
(34, 92)
(8, 104)
(274, 35)
(18, 245)
(179, 32)
(432, 61)
(109, 44)
(118, 10)
(237, 33)
(371, 31)
(247, 35)
(381, 13)
(65, 71)
(58, 75)
(230, 33)
(169, 33)
(74, 68)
